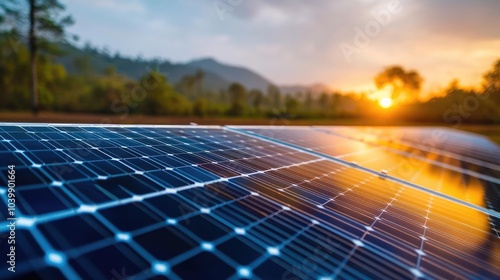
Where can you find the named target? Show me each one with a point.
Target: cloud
(121, 6)
(464, 19)
(297, 41)
(116, 6)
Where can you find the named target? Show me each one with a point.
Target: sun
(385, 102)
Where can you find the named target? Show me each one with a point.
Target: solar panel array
(166, 202)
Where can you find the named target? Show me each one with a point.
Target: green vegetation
(45, 24)
(42, 72)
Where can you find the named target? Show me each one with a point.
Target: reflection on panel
(157, 202)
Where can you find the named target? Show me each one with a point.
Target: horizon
(461, 42)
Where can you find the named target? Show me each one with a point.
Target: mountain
(135, 68)
(244, 76)
(314, 89)
(218, 76)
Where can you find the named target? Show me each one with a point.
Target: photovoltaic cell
(160, 202)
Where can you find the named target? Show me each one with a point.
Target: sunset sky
(299, 41)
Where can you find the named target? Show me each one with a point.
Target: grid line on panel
(258, 209)
(368, 170)
(416, 176)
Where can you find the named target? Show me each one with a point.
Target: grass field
(491, 131)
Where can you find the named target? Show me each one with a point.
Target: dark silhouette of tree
(405, 84)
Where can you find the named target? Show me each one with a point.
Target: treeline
(90, 91)
(457, 105)
(108, 92)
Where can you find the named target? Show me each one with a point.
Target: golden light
(385, 102)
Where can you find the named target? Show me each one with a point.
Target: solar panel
(171, 202)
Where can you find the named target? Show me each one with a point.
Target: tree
(237, 97)
(199, 76)
(491, 91)
(256, 99)
(187, 85)
(83, 65)
(45, 24)
(160, 98)
(14, 64)
(308, 102)
(323, 103)
(200, 107)
(110, 71)
(405, 84)
(492, 77)
(292, 105)
(274, 95)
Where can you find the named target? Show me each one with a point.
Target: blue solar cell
(193, 158)
(81, 154)
(120, 216)
(196, 174)
(146, 151)
(25, 255)
(169, 206)
(43, 200)
(169, 179)
(90, 192)
(32, 128)
(85, 229)
(242, 250)
(169, 161)
(67, 172)
(171, 150)
(237, 167)
(142, 164)
(276, 268)
(108, 168)
(29, 145)
(26, 177)
(157, 240)
(17, 158)
(117, 261)
(19, 136)
(202, 265)
(44, 273)
(205, 227)
(219, 170)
